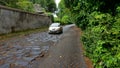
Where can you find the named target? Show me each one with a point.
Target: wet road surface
(67, 52)
(21, 51)
(43, 50)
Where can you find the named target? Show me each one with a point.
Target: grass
(22, 33)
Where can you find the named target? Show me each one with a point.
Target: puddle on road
(19, 52)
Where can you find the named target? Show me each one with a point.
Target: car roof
(55, 24)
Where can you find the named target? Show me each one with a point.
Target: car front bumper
(57, 31)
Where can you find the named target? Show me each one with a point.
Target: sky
(57, 2)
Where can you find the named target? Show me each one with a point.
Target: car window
(55, 25)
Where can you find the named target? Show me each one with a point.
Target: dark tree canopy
(49, 5)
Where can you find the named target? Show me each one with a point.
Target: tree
(100, 22)
(49, 6)
(19, 4)
(10, 3)
(25, 5)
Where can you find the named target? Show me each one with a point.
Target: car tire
(61, 32)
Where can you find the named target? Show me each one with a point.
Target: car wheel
(61, 31)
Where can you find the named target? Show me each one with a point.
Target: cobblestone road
(41, 50)
(67, 53)
(20, 52)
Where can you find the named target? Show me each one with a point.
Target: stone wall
(16, 20)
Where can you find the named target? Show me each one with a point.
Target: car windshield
(55, 25)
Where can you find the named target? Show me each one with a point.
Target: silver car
(55, 28)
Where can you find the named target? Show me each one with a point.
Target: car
(55, 28)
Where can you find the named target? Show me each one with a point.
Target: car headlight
(57, 28)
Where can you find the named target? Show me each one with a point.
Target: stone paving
(19, 52)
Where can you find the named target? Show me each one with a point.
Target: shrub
(25, 5)
(102, 40)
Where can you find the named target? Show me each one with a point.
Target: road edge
(87, 60)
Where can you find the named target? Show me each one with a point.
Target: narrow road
(66, 53)
(43, 50)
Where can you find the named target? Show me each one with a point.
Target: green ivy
(102, 40)
(100, 22)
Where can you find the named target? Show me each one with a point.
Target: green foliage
(56, 19)
(25, 5)
(10, 3)
(100, 22)
(2, 2)
(65, 19)
(49, 6)
(102, 40)
(19, 4)
(65, 14)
